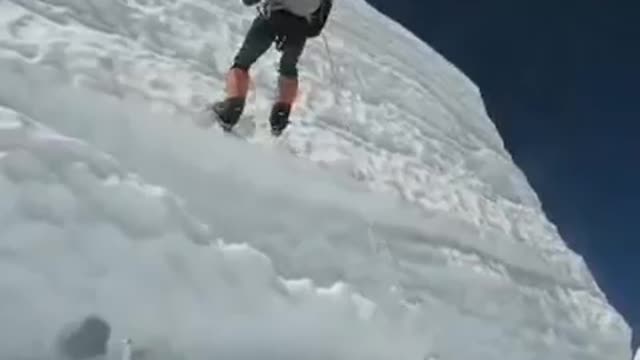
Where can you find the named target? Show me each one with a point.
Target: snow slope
(82, 235)
(416, 207)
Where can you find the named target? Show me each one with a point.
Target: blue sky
(561, 81)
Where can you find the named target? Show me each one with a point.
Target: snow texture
(389, 222)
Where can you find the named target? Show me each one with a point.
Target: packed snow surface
(388, 223)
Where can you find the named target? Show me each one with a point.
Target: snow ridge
(473, 253)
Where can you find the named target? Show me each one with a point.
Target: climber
(288, 24)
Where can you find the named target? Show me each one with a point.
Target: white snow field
(388, 223)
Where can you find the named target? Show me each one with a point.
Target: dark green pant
(263, 33)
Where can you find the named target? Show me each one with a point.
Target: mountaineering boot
(228, 112)
(287, 92)
(279, 118)
(230, 109)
